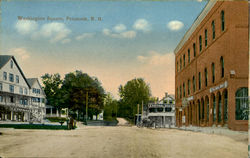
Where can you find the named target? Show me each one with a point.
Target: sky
(113, 41)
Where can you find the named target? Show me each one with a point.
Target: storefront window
(225, 107)
(207, 109)
(219, 109)
(241, 97)
(214, 108)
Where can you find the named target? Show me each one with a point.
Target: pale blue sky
(133, 39)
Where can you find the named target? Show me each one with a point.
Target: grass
(56, 119)
(34, 126)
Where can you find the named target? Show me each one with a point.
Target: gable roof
(31, 82)
(4, 59)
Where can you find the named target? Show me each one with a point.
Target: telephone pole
(86, 107)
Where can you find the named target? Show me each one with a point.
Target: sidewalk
(45, 123)
(214, 130)
(241, 136)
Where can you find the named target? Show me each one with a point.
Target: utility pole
(137, 114)
(86, 107)
(141, 110)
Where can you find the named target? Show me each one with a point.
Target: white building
(21, 98)
(162, 113)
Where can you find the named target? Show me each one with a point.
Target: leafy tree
(78, 87)
(52, 88)
(134, 92)
(110, 107)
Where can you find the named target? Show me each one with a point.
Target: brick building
(212, 68)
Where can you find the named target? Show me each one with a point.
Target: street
(118, 142)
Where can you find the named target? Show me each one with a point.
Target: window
(241, 98)
(168, 109)
(194, 84)
(11, 77)
(1, 86)
(25, 102)
(205, 71)
(200, 42)
(159, 109)
(177, 92)
(5, 75)
(11, 64)
(188, 55)
(213, 29)
(194, 48)
(180, 92)
(25, 91)
(33, 90)
(188, 87)
(225, 107)
(203, 109)
(222, 66)
(180, 63)
(17, 79)
(184, 90)
(11, 88)
(199, 80)
(11, 99)
(48, 110)
(199, 107)
(222, 21)
(214, 108)
(184, 60)
(213, 73)
(207, 101)
(177, 66)
(21, 90)
(219, 108)
(1, 98)
(21, 101)
(206, 38)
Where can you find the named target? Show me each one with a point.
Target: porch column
(164, 121)
(12, 116)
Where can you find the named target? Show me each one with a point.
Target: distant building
(21, 98)
(162, 113)
(52, 111)
(212, 68)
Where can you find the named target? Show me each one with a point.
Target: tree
(110, 107)
(134, 92)
(52, 88)
(78, 87)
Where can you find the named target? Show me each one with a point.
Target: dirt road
(118, 142)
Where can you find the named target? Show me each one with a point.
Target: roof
(31, 81)
(4, 59)
(196, 23)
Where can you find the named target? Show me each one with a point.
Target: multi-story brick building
(21, 98)
(212, 68)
